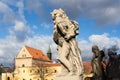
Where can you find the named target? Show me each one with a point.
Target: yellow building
(33, 64)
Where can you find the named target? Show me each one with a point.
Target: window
(23, 71)
(38, 71)
(55, 71)
(46, 71)
(23, 65)
(30, 71)
(22, 55)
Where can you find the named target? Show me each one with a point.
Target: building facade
(33, 64)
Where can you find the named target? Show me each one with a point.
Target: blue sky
(28, 22)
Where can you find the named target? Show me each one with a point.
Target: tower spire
(49, 54)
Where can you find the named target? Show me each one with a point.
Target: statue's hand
(69, 36)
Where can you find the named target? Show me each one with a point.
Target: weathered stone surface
(64, 35)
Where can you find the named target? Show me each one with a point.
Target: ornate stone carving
(64, 35)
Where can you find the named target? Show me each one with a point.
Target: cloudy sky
(28, 22)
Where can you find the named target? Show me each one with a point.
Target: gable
(37, 54)
(23, 53)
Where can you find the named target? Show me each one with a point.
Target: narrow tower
(49, 54)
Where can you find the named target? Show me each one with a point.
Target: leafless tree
(45, 70)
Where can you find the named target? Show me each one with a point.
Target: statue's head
(58, 13)
(95, 49)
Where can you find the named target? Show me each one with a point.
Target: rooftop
(37, 54)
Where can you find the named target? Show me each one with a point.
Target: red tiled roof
(37, 54)
(88, 67)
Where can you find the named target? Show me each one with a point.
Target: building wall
(27, 73)
(22, 62)
(35, 73)
(53, 71)
(7, 76)
(23, 58)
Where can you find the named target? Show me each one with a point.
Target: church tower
(49, 54)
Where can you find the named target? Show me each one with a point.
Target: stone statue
(65, 31)
(98, 70)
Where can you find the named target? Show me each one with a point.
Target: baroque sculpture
(96, 63)
(64, 35)
(113, 66)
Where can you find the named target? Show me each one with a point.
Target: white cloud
(85, 47)
(21, 7)
(100, 40)
(11, 47)
(8, 14)
(19, 26)
(104, 40)
(1, 52)
(20, 31)
(46, 25)
(102, 11)
(22, 27)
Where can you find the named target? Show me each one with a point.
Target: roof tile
(37, 54)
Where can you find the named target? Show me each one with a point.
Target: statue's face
(58, 14)
(54, 15)
(95, 49)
